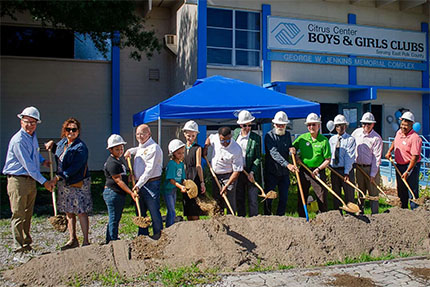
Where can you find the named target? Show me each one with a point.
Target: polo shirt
(312, 152)
(405, 146)
(226, 159)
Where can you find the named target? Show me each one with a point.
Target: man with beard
(315, 154)
(368, 158)
(277, 144)
(407, 152)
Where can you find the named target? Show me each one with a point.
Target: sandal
(73, 243)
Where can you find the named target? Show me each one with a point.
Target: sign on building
(334, 38)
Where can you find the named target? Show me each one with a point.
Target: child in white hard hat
(175, 176)
(193, 170)
(116, 186)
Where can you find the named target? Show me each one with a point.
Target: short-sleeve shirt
(113, 167)
(312, 152)
(226, 159)
(175, 171)
(405, 146)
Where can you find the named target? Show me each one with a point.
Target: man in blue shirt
(342, 148)
(22, 168)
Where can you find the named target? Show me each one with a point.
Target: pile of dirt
(238, 244)
(346, 280)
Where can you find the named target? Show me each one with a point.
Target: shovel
(219, 186)
(350, 207)
(270, 195)
(414, 199)
(140, 221)
(349, 183)
(300, 188)
(391, 200)
(59, 222)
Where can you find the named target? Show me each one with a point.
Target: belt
(365, 165)
(21, 175)
(154, 178)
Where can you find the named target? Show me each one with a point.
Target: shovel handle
(368, 177)
(300, 187)
(256, 184)
(139, 213)
(51, 173)
(325, 185)
(404, 180)
(219, 186)
(348, 181)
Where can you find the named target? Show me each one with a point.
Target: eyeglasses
(225, 141)
(69, 130)
(31, 123)
(366, 124)
(246, 125)
(311, 125)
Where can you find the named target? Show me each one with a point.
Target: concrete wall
(186, 60)
(59, 89)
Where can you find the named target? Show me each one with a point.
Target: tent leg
(159, 131)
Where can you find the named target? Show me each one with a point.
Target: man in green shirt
(314, 152)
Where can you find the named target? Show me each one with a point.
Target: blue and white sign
(333, 38)
(345, 61)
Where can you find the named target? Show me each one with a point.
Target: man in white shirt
(227, 162)
(148, 164)
(368, 158)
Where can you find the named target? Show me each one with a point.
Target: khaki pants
(22, 195)
(365, 185)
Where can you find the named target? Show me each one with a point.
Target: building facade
(350, 56)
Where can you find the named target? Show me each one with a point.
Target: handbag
(79, 184)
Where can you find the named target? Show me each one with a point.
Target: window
(51, 43)
(233, 37)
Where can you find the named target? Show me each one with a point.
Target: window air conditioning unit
(171, 42)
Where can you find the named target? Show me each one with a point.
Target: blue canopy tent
(218, 100)
(222, 98)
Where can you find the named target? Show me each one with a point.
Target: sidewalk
(413, 271)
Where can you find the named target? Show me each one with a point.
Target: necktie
(337, 152)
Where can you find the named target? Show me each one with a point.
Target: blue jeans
(115, 205)
(149, 199)
(170, 199)
(283, 183)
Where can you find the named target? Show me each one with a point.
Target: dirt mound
(237, 244)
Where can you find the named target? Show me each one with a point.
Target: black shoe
(70, 244)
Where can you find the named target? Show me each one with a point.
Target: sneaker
(70, 244)
(21, 257)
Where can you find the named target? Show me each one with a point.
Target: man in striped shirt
(368, 157)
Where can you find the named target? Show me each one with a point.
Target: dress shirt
(23, 156)
(369, 149)
(148, 161)
(405, 146)
(226, 159)
(346, 151)
(243, 142)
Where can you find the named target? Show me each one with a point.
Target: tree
(98, 19)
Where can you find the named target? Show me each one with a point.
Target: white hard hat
(30, 112)
(174, 145)
(368, 118)
(408, 116)
(340, 120)
(312, 118)
(244, 117)
(191, 126)
(115, 140)
(280, 118)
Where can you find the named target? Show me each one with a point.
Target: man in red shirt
(407, 153)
